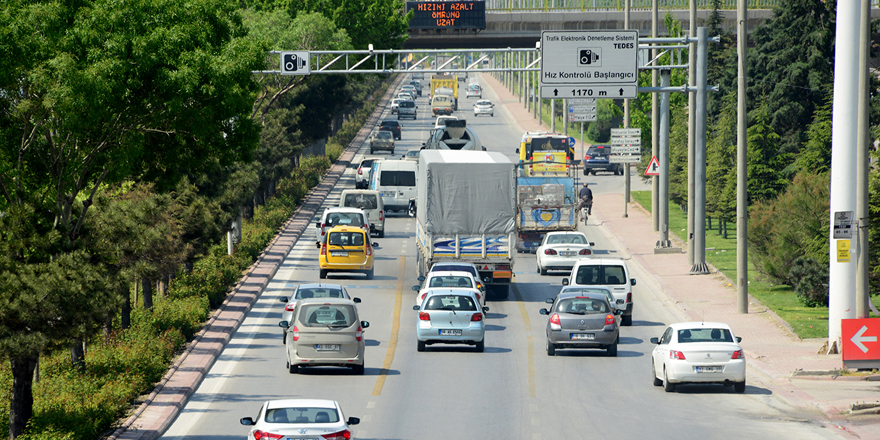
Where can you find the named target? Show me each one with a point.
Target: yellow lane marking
(530, 351)
(395, 328)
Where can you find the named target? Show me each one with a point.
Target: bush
(811, 281)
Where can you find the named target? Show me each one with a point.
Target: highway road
(513, 389)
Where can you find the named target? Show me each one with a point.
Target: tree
(381, 23)
(96, 93)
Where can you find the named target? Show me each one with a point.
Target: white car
(395, 103)
(340, 217)
(441, 120)
(362, 177)
(561, 250)
(405, 96)
(457, 279)
(300, 418)
(451, 316)
(484, 107)
(611, 273)
(698, 352)
(459, 266)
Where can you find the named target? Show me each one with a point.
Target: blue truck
(543, 204)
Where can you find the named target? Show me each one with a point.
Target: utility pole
(742, 169)
(627, 180)
(845, 109)
(655, 199)
(862, 286)
(699, 267)
(663, 136)
(692, 122)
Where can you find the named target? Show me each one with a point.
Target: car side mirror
(356, 300)
(632, 281)
(421, 278)
(416, 288)
(739, 339)
(543, 311)
(365, 324)
(618, 312)
(284, 324)
(517, 151)
(592, 243)
(247, 421)
(485, 309)
(318, 245)
(565, 281)
(317, 224)
(549, 300)
(283, 299)
(417, 308)
(353, 420)
(655, 340)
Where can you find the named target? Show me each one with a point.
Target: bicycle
(585, 208)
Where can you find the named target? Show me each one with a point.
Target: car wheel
(612, 349)
(593, 172)
(370, 274)
(626, 320)
(481, 346)
(421, 346)
(657, 380)
(284, 338)
(543, 271)
(667, 385)
(392, 151)
(357, 369)
(322, 274)
(739, 387)
(382, 234)
(371, 151)
(586, 172)
(293, 369)
(551, 349)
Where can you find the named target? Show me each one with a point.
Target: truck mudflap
(498, 278)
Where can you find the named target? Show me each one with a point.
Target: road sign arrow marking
(555, 92)
(621, 92)
(858, 339)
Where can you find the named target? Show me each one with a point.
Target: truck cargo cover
(466, 192)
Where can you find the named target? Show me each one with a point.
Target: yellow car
(346, 249)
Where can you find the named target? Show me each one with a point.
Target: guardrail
(617, 5)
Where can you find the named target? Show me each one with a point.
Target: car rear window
(705, 335)
(319, 292)
(302, 415)
(448, 268)
(346, 238)
(384, 134)
(582, 306)
(397, 178)
(450, 302)
(600, 275)
(362, 201)
(323, 315)
(451, 281)
(566, 239)
(366, 163)
(407, 104)
(345, 219)
(597, 150)
(393, 124)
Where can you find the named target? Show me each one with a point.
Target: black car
(392, 126)
(596, 159)
(417, 85)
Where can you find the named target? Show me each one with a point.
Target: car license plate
(708, 369)
(450, 332)
(575, 336)
(338, 254)
(327, 347)
(567, 253)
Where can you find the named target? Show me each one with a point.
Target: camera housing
(588, 57)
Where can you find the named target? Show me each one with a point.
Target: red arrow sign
(653, 167)
(859, 339)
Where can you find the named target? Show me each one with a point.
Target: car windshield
(582, 306)
(484, 103)
(450, 302)
(346, 238)
(319, 292)
(547, 144)
(451, 281)
(302, 415)
(383, 135)
(323, 315)
(704, 335)
(600, 275)
(361, 201)
(566, 239)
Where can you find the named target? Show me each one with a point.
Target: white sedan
(484, 107)
(560, 250)
(300, 418)
(457, 279)
(698, 352)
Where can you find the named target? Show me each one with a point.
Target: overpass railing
(498, 6)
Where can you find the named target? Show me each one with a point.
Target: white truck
(465, 210)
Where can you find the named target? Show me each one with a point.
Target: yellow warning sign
(843, 247)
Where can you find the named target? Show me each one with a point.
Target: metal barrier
(497, 6)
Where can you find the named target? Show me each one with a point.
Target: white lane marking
(371, 405)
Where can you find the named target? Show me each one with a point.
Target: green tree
(815, 157)
(381, 23)
(721, 163)
(765, 164)
(94, 93)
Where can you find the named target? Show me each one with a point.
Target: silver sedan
(305, 291)
(450, 316)
(582, 320)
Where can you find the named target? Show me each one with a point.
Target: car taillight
(324, 249)
(423, 295)
(585, 252)
(476, 317)
(260, 435)
(588, 157)
(323, 227)
(341, 435)
(290, 307)
(738, 355)
(479, 297)
(550, 252)
(673, 354)
(359, 334)
(609, 319)
(295, 333)
(424, 316)
(369, 249)
(555, 324)
(381, 215)
(629, 297)
(360, 172)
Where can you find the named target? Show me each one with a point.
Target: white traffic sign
(582, 108)
(625, 141)
(626, 149)
(607, 91)
(653, 167)
(625, 158)
(295, 63)
(626, 132)
(843, 225)
(586, 117)
(579, 57)
(581, 102)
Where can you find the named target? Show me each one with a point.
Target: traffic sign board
(597, 91)
(625, 141)
(585, 117)
(653, 167)
(626, 132)
(582, 108)
(580, 57)
(626, 149)
(842, 224)
(625, 158)
(581, 101)
(295, 63)
(859, 339)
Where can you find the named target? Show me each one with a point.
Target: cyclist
(586, 199)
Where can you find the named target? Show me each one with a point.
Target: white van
(441, 105)
(396, 181)
(331, 217)
(611, 273)
(371, 202)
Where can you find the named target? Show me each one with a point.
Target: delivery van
(396, 181)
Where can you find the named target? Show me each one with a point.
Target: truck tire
(500, 291)
(626, 320)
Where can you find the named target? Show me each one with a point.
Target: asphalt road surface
(513, 389)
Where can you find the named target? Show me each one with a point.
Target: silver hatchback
(325, 332)
(582, 320)
(451, 316)
(306, 291)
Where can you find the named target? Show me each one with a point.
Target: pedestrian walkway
(777, 358)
